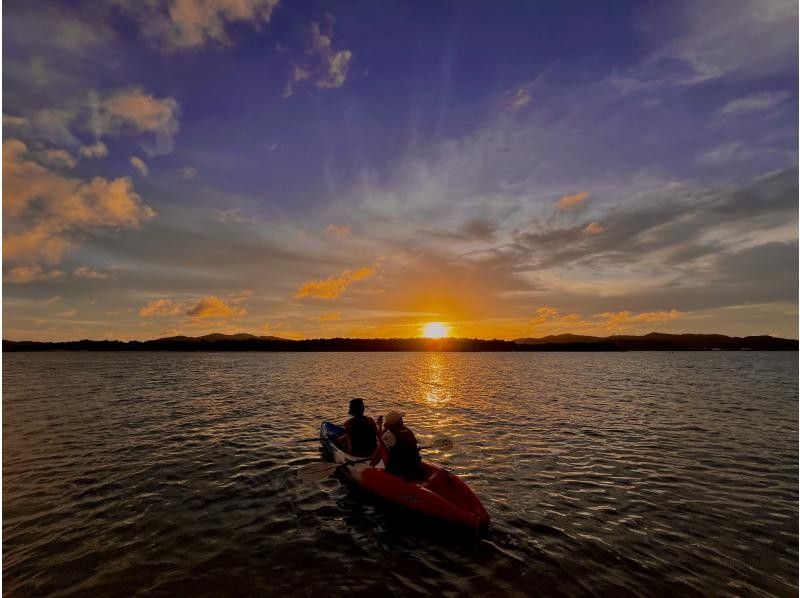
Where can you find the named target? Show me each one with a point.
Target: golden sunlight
(435, 330)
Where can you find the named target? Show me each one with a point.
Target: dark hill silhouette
(659, 341)
(563, 342)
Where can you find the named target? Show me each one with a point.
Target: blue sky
(315, 168)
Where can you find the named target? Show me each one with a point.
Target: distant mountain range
(659, 341)
(655, 341)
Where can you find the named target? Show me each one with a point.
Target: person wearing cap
(401, 449)
(361, 432)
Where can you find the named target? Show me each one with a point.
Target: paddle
(314, 472)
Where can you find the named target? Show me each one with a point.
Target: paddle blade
(314, 472)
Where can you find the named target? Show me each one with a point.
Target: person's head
(394, 420)
(356, 407)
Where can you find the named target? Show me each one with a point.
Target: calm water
(634, 473)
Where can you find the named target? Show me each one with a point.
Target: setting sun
(435, 330)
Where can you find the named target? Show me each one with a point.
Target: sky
(311, 169)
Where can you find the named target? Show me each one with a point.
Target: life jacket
(361, 430)
(404, 459)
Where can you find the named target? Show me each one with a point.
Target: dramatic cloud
(174, 25)
(333, 287)
(139, 165)
(45, 211)
(337, 230)
(70, 313)
(326, 67)
(188, 172)
(26, 274)
(214, 307)
(567, 202)
(162, 307)
(96, 150)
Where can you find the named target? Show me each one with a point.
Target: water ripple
(605, 474)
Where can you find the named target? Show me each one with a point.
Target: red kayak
(440, 494)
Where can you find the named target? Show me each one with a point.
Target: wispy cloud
(139, 165)
(622, 319)
(340, 231)
(593, 228)
(26, 274)
(96, 150)
(324, 66)
(90, 273)
(755, 102)
(162, 307)
(520, 98)
(725, 153)
(568, 202)
(189, 172)
(328, 316)
(334, 286)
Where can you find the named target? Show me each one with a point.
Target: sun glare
(435, 330)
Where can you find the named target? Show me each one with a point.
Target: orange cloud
(162, 307)
(567, 202)
(594, 228)
(338, 230)
(620, 319)
(70, 313)
(188, 24)
(134, 108)
(214, 307)
(26, 274)
(548, 316)
(329, 316)
(43, 209)
(334, 286)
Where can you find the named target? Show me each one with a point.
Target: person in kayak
(401, 451)
(361, 432)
